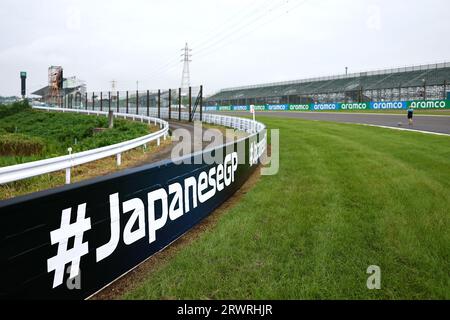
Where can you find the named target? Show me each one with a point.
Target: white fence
(36, 168)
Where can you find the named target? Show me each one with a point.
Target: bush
(20, 145)
(16, 107)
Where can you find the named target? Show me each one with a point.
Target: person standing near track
(410, 115)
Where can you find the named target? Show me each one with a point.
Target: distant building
(58, 86)
(424, 82)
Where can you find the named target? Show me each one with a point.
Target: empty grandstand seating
(393, 84)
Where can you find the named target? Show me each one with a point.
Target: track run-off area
(346, 197)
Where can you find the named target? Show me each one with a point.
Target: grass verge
(346, 197)
(29, 135)
(57, 131)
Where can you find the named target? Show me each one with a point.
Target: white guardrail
(36, 168)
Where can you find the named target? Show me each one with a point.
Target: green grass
(346, 197)
(59, 131)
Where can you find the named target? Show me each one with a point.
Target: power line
(253, 29)
(222, 26)
(231, 33)
(238, 28)
(219, 44)
(172, 63)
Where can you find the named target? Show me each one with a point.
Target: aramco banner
(376, 106)
(69, 242)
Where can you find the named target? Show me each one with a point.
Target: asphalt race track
(439, 124)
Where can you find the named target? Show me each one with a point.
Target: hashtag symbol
(61, 237)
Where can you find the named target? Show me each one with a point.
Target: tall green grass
(58, 131)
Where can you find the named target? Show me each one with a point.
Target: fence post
(159, 104)
(110, 119)
(126, 104)
(445, 90)
(179, 104)
(424, 90)
(118, 102)
(67, 175)
(93, 101)
(101, 100)
(190, 104)
(137, 102)
(148, 103)
(201, 103)
(170, 104)
(86, 101)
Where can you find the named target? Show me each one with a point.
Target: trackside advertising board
(69, 242)
(430, 104)
(384, 105)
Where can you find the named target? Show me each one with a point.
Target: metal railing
(36, 168)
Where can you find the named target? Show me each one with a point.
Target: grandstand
(424, 82)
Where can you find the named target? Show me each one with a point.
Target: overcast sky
(234, 42)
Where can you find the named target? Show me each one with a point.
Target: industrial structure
(185, 77)
(424, 82)
(58, 87)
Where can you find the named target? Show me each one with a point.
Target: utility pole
(346, 71)
(185, 77)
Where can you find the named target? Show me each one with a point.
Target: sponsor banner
(260, 108)
(355, 106)
(429, 104)
(388, 105)
(384, 105)
(211, 108)
(324, 106)
(299, 107)
(69, 242)
(277, 107)
(241, 108)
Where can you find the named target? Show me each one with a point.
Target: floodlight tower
(113, 90)
(185, 78)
